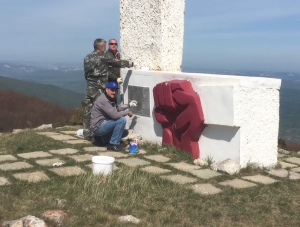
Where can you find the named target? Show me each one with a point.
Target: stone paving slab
(76, 141)
(294, 160)
(184, 166)
(296, 169)
(35, 154)
(114, 154)
(155, 170)
(294, 176)
(48, 133)
(68, 171)
(204, 173)
(48, 162)
(62, 137)
(32, 177)
(260, 179)
(70, 132)
(157, 158)
(205, 189)
(3, 181)
(281, 155)
(180, 179)
(286, 165)
(82, 158)
(4, 158)
(64, 151)
(133, 162)
(95, 149)
(142, 151)
(279, 172)
(15, 166)
(237, 183)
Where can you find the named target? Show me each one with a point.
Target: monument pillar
(152, 33)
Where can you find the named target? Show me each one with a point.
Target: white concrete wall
(241, 113)
(152, 33)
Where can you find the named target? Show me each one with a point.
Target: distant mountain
(22, 111)
(70, 77)
(50, 93)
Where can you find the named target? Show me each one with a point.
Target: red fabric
(178, 109)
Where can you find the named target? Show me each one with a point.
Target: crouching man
(108, 119)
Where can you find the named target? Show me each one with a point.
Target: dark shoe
(114, 147)
(98, 141)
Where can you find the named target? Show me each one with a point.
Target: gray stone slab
(237, 183)
(82, 158)
(3, 181)
(204, 173)
(184, 166)
(114, 154)
(296, 169)
(35, 154)
(48, 133)
(77, 141)
(133, 162)
(155, 170)
(62, 137)
(68, 171)
(281, 155)
(64, 151)
(8, 157)
(142, 151)
(15, 166)
(205, 189)
(294, 176)
(95, 149)
(279, 172)
(48, 162)
(285, 165)
(260, 179)
(294, 160)
(32, 177)
(157, 158)
(70, 132)
(180, 179)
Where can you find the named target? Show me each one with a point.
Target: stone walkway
(191, 176)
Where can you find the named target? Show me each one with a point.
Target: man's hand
(130, 64)
(130, 114)
(133, 103)
(119, 80)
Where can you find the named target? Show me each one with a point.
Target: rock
(57, 216)
(283, 151)
(227, 166)
(279, 172)
(129, 218)
(28, 221)
(15, 131)
(200, 162)
(294, 176)
(43, 127)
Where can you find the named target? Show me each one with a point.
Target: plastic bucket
(103, 164)
(133, 147)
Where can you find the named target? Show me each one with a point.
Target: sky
(262, 35)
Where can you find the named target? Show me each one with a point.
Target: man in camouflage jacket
(96, 74)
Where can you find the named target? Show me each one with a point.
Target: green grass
(90, 201)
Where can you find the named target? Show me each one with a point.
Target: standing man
(95, 69)
(108, 119)
(114, 74)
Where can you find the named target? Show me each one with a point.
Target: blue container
(133, 147)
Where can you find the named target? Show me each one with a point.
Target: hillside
(22, 111)
(49, 93)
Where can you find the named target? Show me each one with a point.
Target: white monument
(241, 113)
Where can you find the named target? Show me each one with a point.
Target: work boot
(114, 147)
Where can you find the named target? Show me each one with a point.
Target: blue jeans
(112, 131)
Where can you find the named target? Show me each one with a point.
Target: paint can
(133, 147)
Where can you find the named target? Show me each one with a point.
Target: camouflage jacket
(96, 67)
(113, 72)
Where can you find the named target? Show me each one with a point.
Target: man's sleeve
(112, 112)
(117, 64)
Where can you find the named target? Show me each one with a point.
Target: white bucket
(103, 164)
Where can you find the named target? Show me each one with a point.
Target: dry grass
(92, 201)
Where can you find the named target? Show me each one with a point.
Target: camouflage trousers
(90, 98)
